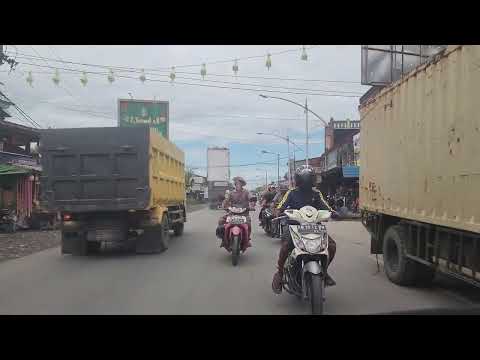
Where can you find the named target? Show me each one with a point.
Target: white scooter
(306, 266)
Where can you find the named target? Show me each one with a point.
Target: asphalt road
(195, 276)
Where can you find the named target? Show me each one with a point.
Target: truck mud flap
(74, 243)
(150, 241)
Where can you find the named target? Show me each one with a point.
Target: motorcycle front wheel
(235, 250)
(316, 290)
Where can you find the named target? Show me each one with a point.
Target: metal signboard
(144, 112)
(384, 64)
(332, 159)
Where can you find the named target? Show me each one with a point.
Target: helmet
(305, 177)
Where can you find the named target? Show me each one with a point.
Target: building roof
(26, 133)
(4, 114)
(6, 169)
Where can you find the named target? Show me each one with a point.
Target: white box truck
(218, 174)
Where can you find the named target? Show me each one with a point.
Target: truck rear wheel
(398, 268)
(164, 233)
(74, 242)
(178, 229)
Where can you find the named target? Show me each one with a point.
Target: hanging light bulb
(56, 77)
(304, 56)
(203, 71)
(268, 64)
(84, 79)
(30, 79)
(110, 76)
(235, 67)
(172, 74)
(142, 76)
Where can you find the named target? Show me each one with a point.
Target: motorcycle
(8, 220)
(306, 266)
(236, 232)
(267, 220)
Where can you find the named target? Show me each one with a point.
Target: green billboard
(140, 112)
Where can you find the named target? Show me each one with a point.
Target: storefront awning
(6, 169)
(351, 171)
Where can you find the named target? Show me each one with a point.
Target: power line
(217, 86)
(132, 69)
(23, 113)
(178, 66)
(238, 165)
(66, 90)
(213, 81)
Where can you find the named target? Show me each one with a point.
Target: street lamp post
(287, 139)
(306, 131)
(266, 178)
(307, 110)
(278, 164)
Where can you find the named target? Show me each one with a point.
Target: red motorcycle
(236, 232)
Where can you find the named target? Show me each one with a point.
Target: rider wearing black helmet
(301, 196)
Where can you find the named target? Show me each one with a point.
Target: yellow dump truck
(420, 170)
(121, 185)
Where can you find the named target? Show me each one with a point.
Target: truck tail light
(67, 217)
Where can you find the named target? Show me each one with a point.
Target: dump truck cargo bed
(421, 142)
(110, 169)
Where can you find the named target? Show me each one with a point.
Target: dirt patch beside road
(24, 243)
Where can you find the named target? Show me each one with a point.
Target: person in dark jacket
(304, 194)
(267, 199)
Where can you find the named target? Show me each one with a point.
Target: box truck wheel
(399, 269)
(164, 234)
(178, 229)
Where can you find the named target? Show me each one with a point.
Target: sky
(203, 112)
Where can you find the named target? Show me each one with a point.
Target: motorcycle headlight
(313, 246)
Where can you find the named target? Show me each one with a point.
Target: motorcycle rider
(304, 194)
(240, 197)
(267, 199)
(282, 190)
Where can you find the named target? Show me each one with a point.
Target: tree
(259, 189)
(188, 177)
(5, 59)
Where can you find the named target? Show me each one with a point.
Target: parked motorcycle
(236, 232)
(8, 220)
(306, 266)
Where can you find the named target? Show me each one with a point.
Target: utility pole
(306, 131)
(294, 166)
(289, 165)
(278, 169)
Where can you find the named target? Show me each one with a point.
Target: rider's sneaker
(277, 283)
(329, 281)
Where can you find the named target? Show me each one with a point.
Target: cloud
(206, 115)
